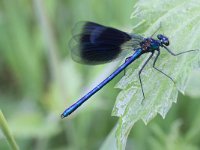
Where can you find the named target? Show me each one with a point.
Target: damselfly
(97, 44)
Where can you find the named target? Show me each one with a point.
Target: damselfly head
(163, 39)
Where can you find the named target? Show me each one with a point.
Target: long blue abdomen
(73, 107)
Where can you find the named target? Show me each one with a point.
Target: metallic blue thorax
(155, 44)
(150, 45)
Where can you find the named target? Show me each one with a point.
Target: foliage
(38, 79)
(160, 91)
(5, 129)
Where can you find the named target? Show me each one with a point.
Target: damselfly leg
(139, 74)
(154, 63)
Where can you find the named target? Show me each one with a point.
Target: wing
(97, 44)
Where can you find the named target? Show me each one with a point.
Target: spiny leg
(139, 74)
(154, 63)
(176, 54)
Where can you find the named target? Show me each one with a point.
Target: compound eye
(166, 43)
(159, 36)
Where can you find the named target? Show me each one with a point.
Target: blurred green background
(38, 80)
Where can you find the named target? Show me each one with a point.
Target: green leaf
(5, 129)
(173, 140)
(180, 21)
(110, 142)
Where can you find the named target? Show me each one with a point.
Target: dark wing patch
(98, 44)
